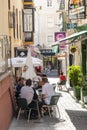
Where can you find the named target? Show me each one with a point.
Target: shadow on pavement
(78, 118)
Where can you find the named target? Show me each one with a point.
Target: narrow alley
(73, 116)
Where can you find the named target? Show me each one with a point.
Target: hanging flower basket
(73, 49)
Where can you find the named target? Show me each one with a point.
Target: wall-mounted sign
(58, 36)
(71, 25)
(47, 52)
(76, 9)
(20, 52)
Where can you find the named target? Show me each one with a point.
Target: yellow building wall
(4, 17)
(16, 42)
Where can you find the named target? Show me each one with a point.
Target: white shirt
(27, 93)
(48, 91)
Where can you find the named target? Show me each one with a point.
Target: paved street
(73, 116)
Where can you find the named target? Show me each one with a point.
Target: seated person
(29, 93)
(36, 81)
(47, 92)
(62, 78)
(19, 85)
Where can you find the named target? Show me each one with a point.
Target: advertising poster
(76, 9)
(58, 36)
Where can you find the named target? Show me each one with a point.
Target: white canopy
(21, 62)
(17, 62)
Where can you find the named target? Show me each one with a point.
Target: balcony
(28, 0)
(28, 37)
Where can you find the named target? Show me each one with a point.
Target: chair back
(54, 99)
(22, 103)
(63, 82)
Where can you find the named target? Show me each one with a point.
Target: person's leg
(34, 112)
(59, 86)
(41, 109)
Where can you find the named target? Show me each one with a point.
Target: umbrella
(30, 72)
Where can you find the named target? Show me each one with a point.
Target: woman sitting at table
(62, 79)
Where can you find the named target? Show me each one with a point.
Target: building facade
(10, 37)
(48, 22)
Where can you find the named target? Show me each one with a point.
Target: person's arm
(43, 96)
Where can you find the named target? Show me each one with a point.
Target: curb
(79, 101)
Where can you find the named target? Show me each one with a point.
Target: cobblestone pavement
(73, 116)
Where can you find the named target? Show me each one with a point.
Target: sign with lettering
(71, 25)
(76, 9)
(47, 52)
(58, 36)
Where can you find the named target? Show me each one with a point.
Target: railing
(28, 0)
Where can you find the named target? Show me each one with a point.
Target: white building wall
(42, 28)
(41, 17)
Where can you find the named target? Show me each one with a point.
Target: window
(10, 19)
(28, 20)
(20, 25)
(49, 2)
(8, 4)
(50, 21)
(14, 21)
(4, 50)
(28, 37)
(17, 23)
(50, 39)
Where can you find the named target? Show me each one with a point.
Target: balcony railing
(28, 0)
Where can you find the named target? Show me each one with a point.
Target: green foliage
(84, 82)
(73, 49)
(75, 75)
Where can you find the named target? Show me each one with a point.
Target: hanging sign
(76, 9)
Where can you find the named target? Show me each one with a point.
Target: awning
(73, 36)
(21, 62)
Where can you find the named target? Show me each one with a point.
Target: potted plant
(73, 49)
(75, 75)
(84, 89)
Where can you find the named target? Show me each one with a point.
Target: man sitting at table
(47, 92)
(29, 93)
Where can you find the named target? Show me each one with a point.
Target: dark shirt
(18, 89)
(35, 95)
